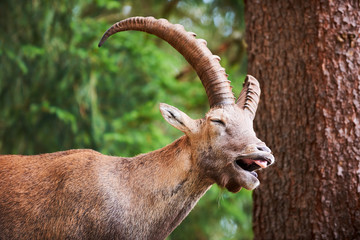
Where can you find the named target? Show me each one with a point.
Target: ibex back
(82, 194)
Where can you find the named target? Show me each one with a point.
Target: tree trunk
(306, 55)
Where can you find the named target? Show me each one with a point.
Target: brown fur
(82, 194)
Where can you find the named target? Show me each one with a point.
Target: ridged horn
(249, 96)
(206, 65)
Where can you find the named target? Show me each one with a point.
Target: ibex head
(224, 145)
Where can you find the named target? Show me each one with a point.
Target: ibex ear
(177, 118)
(249, 96)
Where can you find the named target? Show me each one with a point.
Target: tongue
(261, 163)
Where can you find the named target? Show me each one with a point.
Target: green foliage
(59, 91)
(218, 215)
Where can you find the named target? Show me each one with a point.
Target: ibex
(82, 194)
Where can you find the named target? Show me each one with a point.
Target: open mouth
(253, 164)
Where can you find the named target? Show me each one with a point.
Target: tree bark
(306, 55)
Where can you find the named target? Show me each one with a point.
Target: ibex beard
(82, 194)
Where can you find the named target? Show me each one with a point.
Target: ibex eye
(218, 121)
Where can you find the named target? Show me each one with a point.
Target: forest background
(59, 91)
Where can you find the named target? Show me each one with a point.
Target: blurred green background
(59, 91)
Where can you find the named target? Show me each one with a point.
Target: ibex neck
(168, 184)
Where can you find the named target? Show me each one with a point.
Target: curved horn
(250, 96)
(206, 65)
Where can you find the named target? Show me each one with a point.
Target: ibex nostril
(264, 149)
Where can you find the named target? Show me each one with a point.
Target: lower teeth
(254, 174)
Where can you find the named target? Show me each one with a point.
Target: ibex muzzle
(82, 194)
